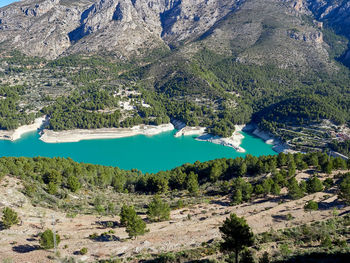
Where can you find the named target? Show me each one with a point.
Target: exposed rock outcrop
(50, 28)
(253, 31)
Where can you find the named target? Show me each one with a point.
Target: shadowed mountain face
(279, 32)
(336, 14)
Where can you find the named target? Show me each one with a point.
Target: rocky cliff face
(254, 31)
(50, 28)
(335, 13)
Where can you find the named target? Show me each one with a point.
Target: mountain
(51, 28)
(335, 14)
(209, 63)
(279, 32)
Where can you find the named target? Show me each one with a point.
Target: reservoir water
(145, 153)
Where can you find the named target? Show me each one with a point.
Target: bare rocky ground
(188, 227)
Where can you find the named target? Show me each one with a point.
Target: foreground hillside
(276, 63)
(85, 212)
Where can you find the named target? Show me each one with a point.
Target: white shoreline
(278, 146)
(14, 135)
(188, 131)
(234, 141)
(77, 135)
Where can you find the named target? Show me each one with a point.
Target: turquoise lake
(145, 153)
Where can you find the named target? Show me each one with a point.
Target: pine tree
(127, 213)
(158, 210)
(9, 218)
(47, 239)
(237, 197)
(192, 183)
(236, 235)
(73, 183)
(294, 190)
(314, 185)
(136, 227)
(344, 189)
(275, 189)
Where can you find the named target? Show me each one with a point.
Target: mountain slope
(50, 28)
(275, 32)
(335, 14)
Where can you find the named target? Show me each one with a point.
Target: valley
(151, 131)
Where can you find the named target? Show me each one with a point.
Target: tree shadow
(222, 203)
(25, 248)
(280, 218)
(108, 224)
(105, 238)
(330, 205)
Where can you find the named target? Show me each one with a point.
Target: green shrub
(314, 185)
(344, 189)
(311, 206)
(83, 251)
(126, 214)
(9, 217)
(47, 239)
(158, 210)
(73, 183)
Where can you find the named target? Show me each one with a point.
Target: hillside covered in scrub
(280, 67)
(302, 199)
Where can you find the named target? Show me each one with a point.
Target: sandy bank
(187, 131)
(76, 135)
(278, 146)
(16, 134)
(234, 141)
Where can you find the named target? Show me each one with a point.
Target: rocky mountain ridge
(50, 28)
(253, 31)
(335, 14)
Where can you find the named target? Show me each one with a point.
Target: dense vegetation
(342, 147)
(52, 179)
(239, 93)
(242, 179)
(211, 90)
(11, 116)
(300, 111)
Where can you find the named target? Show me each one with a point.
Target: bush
(326, 242)
(265, 258)
(344, 189)
(314, 185)
(73, 183)
(9, 217)
(47, 239)
(158, 210)
(136, 227)
(311, 206)
(83, 251)
(126, 214)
